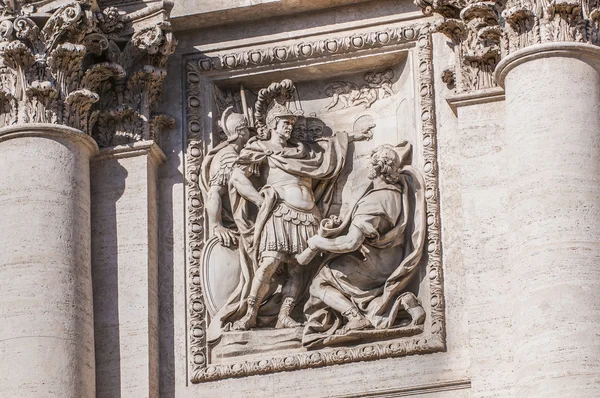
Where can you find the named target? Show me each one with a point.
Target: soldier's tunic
(280, 230)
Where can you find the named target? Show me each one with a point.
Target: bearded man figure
(372, 256)
(298, 187)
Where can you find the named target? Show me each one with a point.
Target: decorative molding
(415, 390)
(583, 51)
(485, 31)
(433, 340)
(477, 97)
(309, 50)
(140, 148)
(99, 71)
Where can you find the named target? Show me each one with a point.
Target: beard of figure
(373, 173)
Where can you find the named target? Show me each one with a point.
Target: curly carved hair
(385, 162)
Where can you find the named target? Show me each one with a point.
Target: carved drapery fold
(482, 32)
(100, 71)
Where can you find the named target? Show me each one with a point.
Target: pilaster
(125, 269)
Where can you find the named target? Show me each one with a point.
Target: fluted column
(73, 78)
(552, 125)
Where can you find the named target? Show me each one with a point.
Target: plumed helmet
(231, 122)
(277, 110)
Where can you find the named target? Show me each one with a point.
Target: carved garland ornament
(484, 31)
(99, 71)
(200, 369)
(310, 50)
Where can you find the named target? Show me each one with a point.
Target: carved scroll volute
(58, 72)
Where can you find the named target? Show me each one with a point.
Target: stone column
(46, 311)
(550, 70)
(68, 85)
(552, 125)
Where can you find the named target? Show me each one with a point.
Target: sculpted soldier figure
(372, 255)
(300, 131)
(216, 171)
(299, 179)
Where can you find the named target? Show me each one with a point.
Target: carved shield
(221, 273)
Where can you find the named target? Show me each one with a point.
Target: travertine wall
(510, 158)
(474, 363)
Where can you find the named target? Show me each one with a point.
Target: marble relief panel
(313, 213)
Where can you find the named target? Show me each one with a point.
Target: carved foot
(245, 323)
(413, 307)
(418, 315)
(358, 323)
(284, 322)
(248, 321)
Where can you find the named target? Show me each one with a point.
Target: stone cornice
(140, 148)
(483, 32)
(98, 71)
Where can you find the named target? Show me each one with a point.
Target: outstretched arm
(342, 244)
(244, 186)
(365, 134)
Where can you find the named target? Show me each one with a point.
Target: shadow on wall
(169, 179)
(107, 186)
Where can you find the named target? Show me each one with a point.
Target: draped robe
(322, 161)
(392, 219)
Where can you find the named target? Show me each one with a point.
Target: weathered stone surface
(498, 101)
(47, 332)
(125, 269)
(554, 161)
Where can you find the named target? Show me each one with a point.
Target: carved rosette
(99, 71)
(484, 31)
(310, 49)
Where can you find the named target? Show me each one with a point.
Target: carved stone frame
(201, 71)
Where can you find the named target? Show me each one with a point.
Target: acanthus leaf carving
(497, 28)
(70, 69)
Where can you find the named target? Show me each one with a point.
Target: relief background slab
(409, 115)
(474, 347)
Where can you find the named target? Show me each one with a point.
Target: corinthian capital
(72, 63)
(485, 31)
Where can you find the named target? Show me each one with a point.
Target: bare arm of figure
(244, 186)
(213, 210)
(365, 134)
(342, 244)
